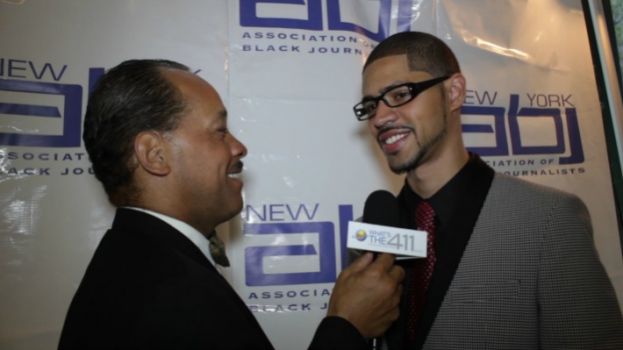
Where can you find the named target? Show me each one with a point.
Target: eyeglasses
(394, 96)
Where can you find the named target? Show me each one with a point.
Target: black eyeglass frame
(414, 88)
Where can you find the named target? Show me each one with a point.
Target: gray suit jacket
(529, 278)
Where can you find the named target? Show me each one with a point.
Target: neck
(171, 205)
(432, 175)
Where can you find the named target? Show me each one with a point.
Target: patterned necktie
(422, 268)
(217, 250)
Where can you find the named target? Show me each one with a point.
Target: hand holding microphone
(367, 294)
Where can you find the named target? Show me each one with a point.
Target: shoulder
(508, 187)
(145, 247)
(538, 207)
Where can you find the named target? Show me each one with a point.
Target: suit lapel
(455, 237)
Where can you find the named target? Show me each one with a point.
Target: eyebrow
(385, 89)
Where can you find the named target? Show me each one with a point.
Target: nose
(238, 149)
(383, 115)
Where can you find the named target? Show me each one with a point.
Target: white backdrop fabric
(289, 73)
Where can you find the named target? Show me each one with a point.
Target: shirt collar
(446, 202)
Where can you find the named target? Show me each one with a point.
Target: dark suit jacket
(149, 287)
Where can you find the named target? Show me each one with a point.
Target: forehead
(388, 71)
(199, 96)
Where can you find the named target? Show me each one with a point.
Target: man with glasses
(511, 264)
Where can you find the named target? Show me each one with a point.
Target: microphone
(381, 208)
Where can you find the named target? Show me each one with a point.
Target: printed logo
(314, 16)
(393, 240)
(521, 140)
(361, 235)
(319, 26)
(40, 113)
(306, 251)
(323, 252)
(64, 97)
(38, 109)
(291, 255)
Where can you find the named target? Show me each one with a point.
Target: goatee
(421, 156)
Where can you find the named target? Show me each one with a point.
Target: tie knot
(425, 216)
(217, 249)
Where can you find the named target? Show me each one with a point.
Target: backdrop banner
(289, 73)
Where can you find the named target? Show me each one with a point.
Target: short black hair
(425, 52)
(132, 97)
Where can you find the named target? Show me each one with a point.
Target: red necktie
(422, 268)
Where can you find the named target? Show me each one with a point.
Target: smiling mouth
(236, 170)
(393, 139)
(390, 138)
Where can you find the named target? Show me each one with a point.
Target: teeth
(235, 176)
(394, 139)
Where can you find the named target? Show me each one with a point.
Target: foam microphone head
(381, 208)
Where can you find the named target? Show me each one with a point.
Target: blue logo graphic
(249, 17)
(514, 137)
(325, 253)
(70, 121)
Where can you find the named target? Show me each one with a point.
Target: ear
(151, 153)
(456, 91)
